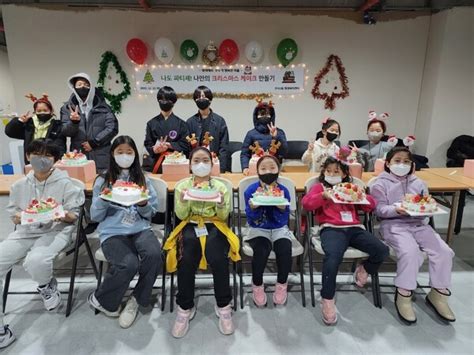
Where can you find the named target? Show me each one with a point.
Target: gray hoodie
(59, 186)
(98, 124)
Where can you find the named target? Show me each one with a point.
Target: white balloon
(164, 50)
(253, 51)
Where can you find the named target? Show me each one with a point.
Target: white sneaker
(95, 304)
(7, 337)
(129, 313)
(226, 326)
(50, 294)
(181, 324)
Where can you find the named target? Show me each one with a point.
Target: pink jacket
(326, 211)
(389, 189)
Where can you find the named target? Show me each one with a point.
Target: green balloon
(189, 50)
(287, 51)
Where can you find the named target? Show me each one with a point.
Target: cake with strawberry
(125, 192)
(348, 192)
(74, 158)
(203, 191)
(269, 194)
(419, 203)
(41, 210)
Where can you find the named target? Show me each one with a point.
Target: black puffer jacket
(19, 130)
(98, 129)
(461, 148)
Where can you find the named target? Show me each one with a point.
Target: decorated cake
(42, 211)
(203, 191)
(419, 203)
(74, 158)
(125, 192)
(269, 194)
(176, 158)
(350, 156)
(348, 192)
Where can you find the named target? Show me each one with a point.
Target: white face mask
(400, 169)
(201, 169)
(375, 135)
(125, 161)
(333, 180)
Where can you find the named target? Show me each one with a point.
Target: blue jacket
(266, 217)
(110, 215)
(261, 134)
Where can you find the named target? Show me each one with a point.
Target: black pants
(217, 250)
(261, 250)
(128, 255)
(335, 242)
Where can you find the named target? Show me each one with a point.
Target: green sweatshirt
(186, 209)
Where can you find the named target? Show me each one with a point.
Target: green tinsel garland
(115, 101)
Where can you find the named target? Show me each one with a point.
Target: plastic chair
(236, 167)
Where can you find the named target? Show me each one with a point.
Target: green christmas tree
(148, 78)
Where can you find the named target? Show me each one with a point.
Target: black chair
(296, 149)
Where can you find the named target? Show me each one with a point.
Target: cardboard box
(469, 168)
(85, 173)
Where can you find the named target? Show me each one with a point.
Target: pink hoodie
(389, 189)
(326, 211)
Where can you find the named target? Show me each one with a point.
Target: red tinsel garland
(330, 99)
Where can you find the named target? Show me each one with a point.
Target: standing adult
(89, 121)
(207, 121)
(166, 132)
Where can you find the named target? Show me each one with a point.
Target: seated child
(410, 237)
(340, 228)
(268, 230)
(265, 134)
(202, 238)
(324, 145)
(38, 244)
(126, 237)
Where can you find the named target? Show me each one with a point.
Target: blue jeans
(335, 242)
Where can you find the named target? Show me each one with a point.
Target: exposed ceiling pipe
(368, 4)
(144, 4)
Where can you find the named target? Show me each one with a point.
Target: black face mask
(268, 178)
(165, 105)
(43, 117)
(202, 104)
(331, 136)
(83, 92)
(264, 120)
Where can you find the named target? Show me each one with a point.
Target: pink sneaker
(328, 310)
(281, 294)
(360, 276)
(259, 296)
(226, 326)
(181, 324)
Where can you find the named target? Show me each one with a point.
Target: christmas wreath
(115, 101)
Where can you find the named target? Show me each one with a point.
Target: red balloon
(229, 51)
(137, 50)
